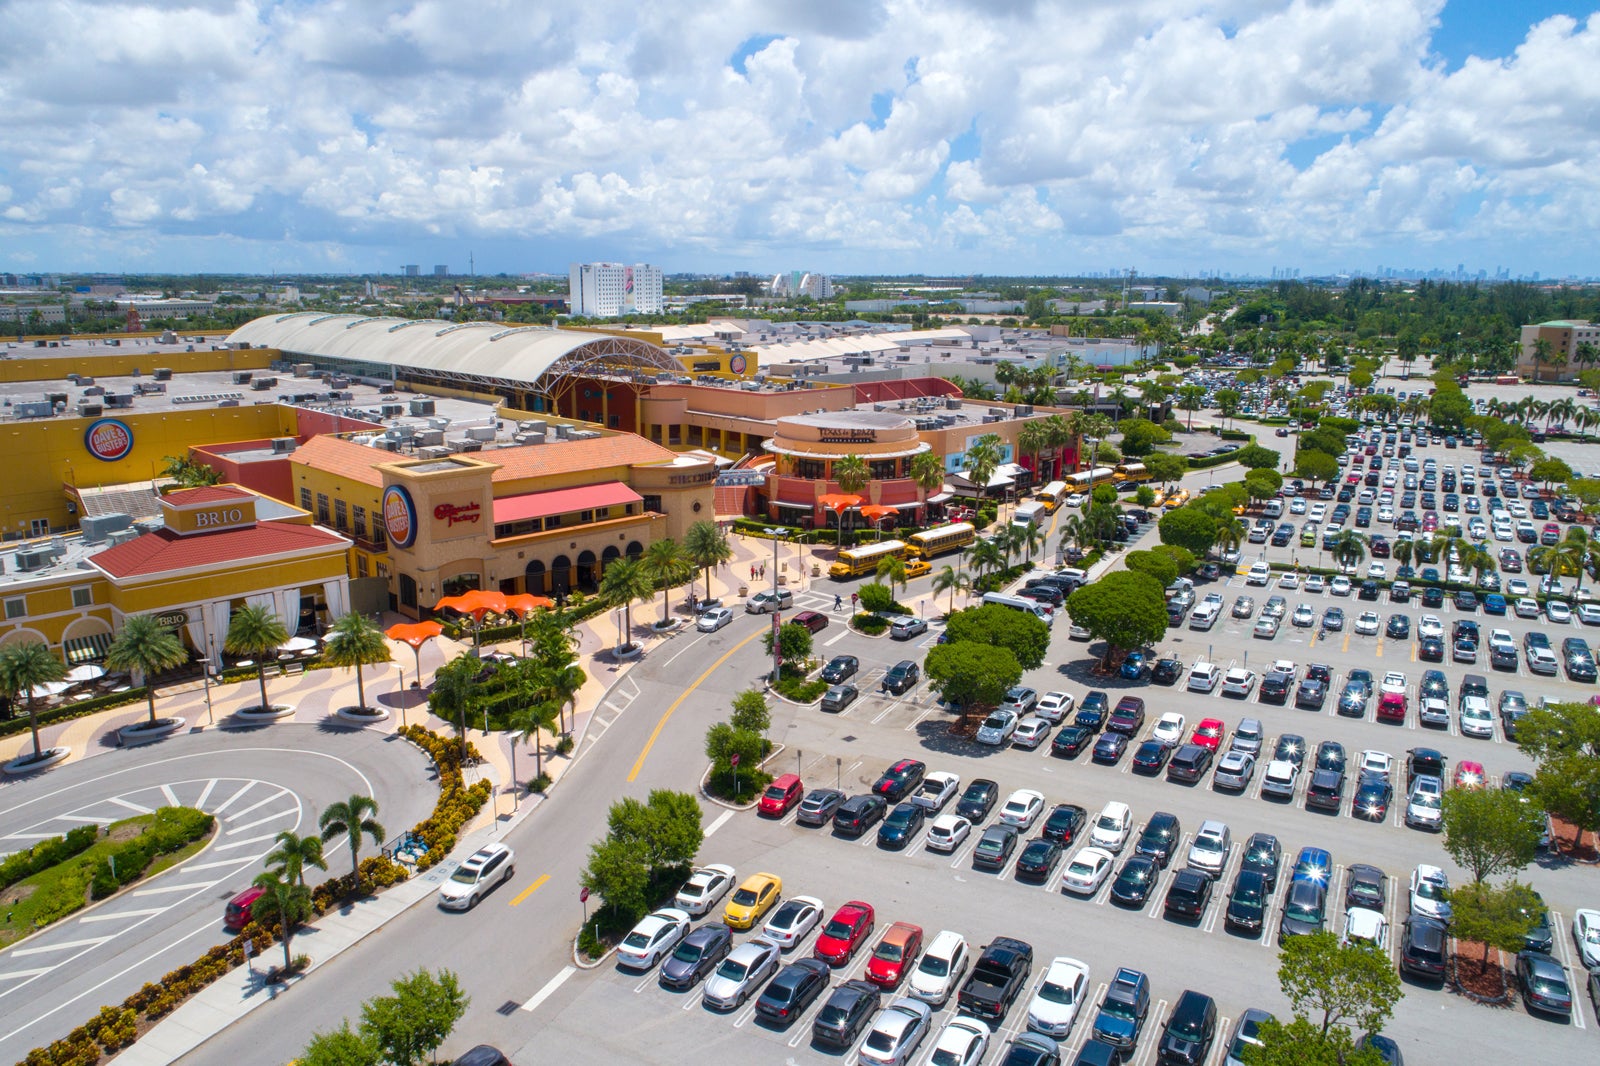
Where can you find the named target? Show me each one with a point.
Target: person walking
(838, 602)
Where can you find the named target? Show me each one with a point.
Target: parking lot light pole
(773, 532)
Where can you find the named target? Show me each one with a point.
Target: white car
(938, 788)
(1516, 586)
(1238, 682)
(713, 620)
(1375, 762)
(1088, 870)
(1075, 500)
(704, 889)
(1476, 718)
(962, 1042)
(1169, 729)
(1557, 612)
(997, 728)
(653, 938)
(1367, 624)
(1339, 586)
(1297, 506)
(1111, 827)
(767, 601)
(485, 868)
(1434, 711)
(1304, 616)
(1280, 778)
(1030, 732)
(794, 918)
(1314, 583)
(1022, 808)
(1378, 570)
(745, 969)
(1589, 614)
(1429, 625)
(1586, 937)
(1055, 1005)
(1423, 804)
(1266, 627)
(1203, 677)
(1526, 607)
(943, 966)
(1430, 891)
(1289, 580)
(947, 832)
(1054, 706)
(1393, 681)
(1209, 851)
(894, 1037)
(1363, 923)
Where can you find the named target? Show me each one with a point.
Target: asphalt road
(257, 782)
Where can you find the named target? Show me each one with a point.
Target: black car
(1420, 761)
(794, 989)
(1423, 944)
(1368, 590)
(1540, 937)
(695, 956)
(1109, 748)
(1070, 740)
(1031, 1049)
(1275, 686)
(1311, 694)
(1430, 650)
(978, 800)
(1325, 791)
(845, 1015)
(1167, 671)
(1188, 894)
(840, 668)
(1186, 1040)
(1134, 882)
(1305, 908)
(1150, 758)
(1038, 860)
(1291, 747)
(1189, 763)
(1372, 798)
(858, 814)
(1399, 627)
(994, 847)
(1434, 685)
(1248, 900)
(902, 676)
(1330, 756)
(1160, 838)
(1263, 854)
(1433, 596)
(1365, 886)
(1063, 823)
(902, 825)
(900, 780)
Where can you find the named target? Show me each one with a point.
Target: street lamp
(401, 693)
(773, 532)
(777, 651)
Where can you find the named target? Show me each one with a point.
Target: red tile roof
(563, 501)
(341, 457)
(355, 461)
(206, 494)
(164, 551)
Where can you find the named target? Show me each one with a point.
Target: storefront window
(455, 586)
(322, 508)
(358, 517)
(652, 505)
(408, 590)
(811, 469)
(883, 470)
(341, 515)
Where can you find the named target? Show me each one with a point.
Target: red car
(895, 954)
(811, 620)
(1208, 734)
(782, 794)
(237, 916)
(849, 928)
(1470, 774)
(1392, 707)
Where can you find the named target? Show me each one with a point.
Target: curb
(577, 960)
(724, 804)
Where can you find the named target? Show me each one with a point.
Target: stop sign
(734, 759)
(583, 895)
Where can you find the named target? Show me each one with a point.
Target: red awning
(563, 501)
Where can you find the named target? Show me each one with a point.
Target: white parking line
(717, 823)
(205, 794)
(172, 797)
(234, 817)
(550, 986)
(216, 865)
(65, 945)
(120, 802)
(263, 821)
(118, 916)
(247, 786)
(246, 842)
(171, 888)
(830, 642)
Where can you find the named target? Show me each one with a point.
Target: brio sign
(108, 439)
(399, 517)
(233, 516)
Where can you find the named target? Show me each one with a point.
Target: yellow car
(751, 900)
(917, 568)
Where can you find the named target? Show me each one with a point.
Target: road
(257, 782)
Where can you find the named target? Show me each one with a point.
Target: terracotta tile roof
(164, 550)
(206, 494)
(355, 461)
(341, 457)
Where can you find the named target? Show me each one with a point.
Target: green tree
(615, 873)
(1333, 984)
(1563, 739)
(1255, 457)
(851, 473)
(1549, 471)
(666, 566)
(1190, 398)
(553, 645)
(1315, 466)
(706, 546)
(293, 854)
(951, 579)
(970, 675)
(1144, 496)
(1160, 567)
(23, 668)
(409, 1026)
(354, 818)
(750, 712)
(1298, 1042)
(624, 583)
(1262, 485)
(456, 686)
(982, 459)
(876, 597)
(356, 642)
(1165, 469)
(1495, 916)
(927, 470)
(534, 713)
(1182, 558)
(342, 1047)
(1227, 401)
(794, 642)
(1023, 633)
(254, 632)
(146, 647)
(1349, 548)
(1140, 436)
(1489, 831)
(892, 571)
(1189, 528)
(1126, 610)
(286, 902)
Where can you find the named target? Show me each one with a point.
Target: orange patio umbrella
(839, 503)
(477, 603)
(415, 634)
(876, 513)
(526, 603)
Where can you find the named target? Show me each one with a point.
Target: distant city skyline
(1181, 138)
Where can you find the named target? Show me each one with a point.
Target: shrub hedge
(170, 829)
(47, 853)
(457, 803)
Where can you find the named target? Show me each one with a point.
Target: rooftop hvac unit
(431, 438)
(532, 425)
(433, 453)
(463, 446)
(1000, 411)
(386, 444)
(242, 377)
(263, 384)
(115, 400)
(29, 561)
(39, 409)
(528, 438)
(420, 408)
(283, 445)
(122, 536)
(987, 419)
(583, 434)
(1024, 410)
(391, 410)
(163, 374)
(97, 527)
(480, 433)
(89, 410)
(95, 390)
(561, 430)
(438, 423)
(229, 402)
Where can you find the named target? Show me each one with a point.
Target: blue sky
(846, 136)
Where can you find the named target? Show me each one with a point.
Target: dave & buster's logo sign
(108, 439)
(399, 517)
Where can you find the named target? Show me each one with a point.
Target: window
(361, 565)
(39, 527)
(585, 517)
(358, 517)
(16, 607)
(341, 515)
(322, 508)
(379, 538)
(83, 596)
(305, 498)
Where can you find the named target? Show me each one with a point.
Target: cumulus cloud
(836, 134)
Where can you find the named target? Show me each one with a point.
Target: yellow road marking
(530, 890)
(662, 724)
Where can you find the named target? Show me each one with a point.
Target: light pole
(401, 693)
(773, 532)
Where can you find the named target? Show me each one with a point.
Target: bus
(1130, 472)
(1052, 495)
(856, 561)
(1021, 603)
(941, 539)
(1084, 480)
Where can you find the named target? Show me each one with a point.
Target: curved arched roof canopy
(477, 353)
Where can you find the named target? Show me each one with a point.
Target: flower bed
(457, 803)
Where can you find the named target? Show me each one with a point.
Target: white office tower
(799, 283)
(606, 290)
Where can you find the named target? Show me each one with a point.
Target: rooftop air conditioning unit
(29, 561)
(283, 445)
(122, 536)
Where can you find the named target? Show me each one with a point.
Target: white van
(1205, 616)
(1260, 574)
(1021, 603)
(1031, 513)
(1273, 509)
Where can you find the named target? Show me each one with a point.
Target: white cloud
(892, 135)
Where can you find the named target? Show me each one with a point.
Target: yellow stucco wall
(117, 362)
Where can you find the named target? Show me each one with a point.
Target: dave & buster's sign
(399, 517)
(108, 439)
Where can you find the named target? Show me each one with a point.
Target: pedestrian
(838, 602)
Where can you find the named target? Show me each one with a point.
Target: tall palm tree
(852, 474)
(293, 854)
(561, 678)
(706, 546)
(665, 566)
(951, 578)
(354, 818)
(982, 459)
(356, 642)
(1190, 398)
(1402, 551)
(24, 667)
(1573, 554)
(288, 902)
(1096, 428)
(985, 557)
(455, 690)
(1030, 538)
(1349, 548)
(256, 633)
(927, 470)
(1231, 533)
(624, 583)
(1074, 528)
(529, 720)
(147, 646)
(892, 571)
(1032, 439)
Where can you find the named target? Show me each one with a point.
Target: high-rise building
(441, 270)
(606, 290)
(803, 283)
(413, 270)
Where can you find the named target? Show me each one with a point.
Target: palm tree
(1479, 561)
(1096, 428)
(953, 579)
(561, 677)
(1033, 438)
(455, 690)
(1030, 538)
(665, 566)
(293, 854)
(982, 459)
(288, 902)
(1074, 528)
(624, 583)
(892, 571)
(351, 817)
(1007, 539)
(1232, 533)
(1573, 554)
(852, 474)
(1189, 399)
(356, 642)
(1349, 548)
(147, 646)
(706, 546)
(985, 557)
(927, 470)
(1402, 551)
(24, 667)
(530, 719)
(256, 633)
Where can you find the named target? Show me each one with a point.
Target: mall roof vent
(29, 561)
(97, 527)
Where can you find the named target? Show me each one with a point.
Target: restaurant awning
(563, 501)
(87, 649)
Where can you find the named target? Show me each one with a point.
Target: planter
(148, 732)
(627, 651)
(27, 764)
(259, 713)
(362, 715)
